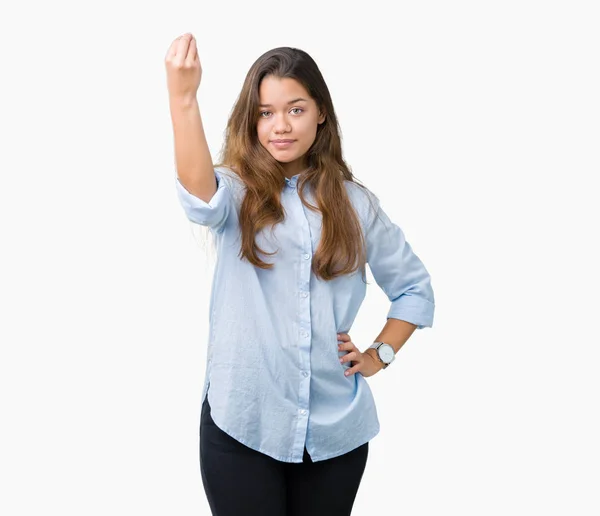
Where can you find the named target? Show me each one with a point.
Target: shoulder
(230, 180)
(364, 201)
(228, 176)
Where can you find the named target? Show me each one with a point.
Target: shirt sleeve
(399, 271)
(213, 213)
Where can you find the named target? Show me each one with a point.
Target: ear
(322, 117)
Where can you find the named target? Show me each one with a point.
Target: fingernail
(346, 373)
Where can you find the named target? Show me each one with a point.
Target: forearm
(396, 333)
(192, 155)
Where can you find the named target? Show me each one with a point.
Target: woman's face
(287, 113)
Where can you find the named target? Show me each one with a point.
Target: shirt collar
(292, 181)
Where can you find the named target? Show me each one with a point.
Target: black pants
(240, 481)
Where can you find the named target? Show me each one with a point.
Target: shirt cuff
(212, 213)
(413, 309)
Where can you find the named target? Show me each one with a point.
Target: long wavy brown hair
(341, 249)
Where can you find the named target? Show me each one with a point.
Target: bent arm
(400, 273)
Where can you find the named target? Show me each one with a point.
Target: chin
(283, 159)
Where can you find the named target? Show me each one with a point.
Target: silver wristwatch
(385, 352)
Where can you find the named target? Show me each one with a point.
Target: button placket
(304, 318)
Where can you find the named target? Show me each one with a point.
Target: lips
(282, 144)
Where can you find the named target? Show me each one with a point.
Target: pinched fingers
(179, 44)
(184, 71)
(183, 49)
(192, 54)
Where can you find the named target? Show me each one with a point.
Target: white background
(477, 125)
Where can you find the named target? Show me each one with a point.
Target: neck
(292, 171)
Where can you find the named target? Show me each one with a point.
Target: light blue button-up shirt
(273, 377)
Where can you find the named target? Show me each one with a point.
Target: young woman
(286, 420)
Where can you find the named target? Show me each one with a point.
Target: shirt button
(304, 294)
(303, 412)
(304, 333)
(305, 374)
(306, 256)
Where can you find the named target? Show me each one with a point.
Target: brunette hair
(341, 249)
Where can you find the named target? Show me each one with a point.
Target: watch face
(386, 352)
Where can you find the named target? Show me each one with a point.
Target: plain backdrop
(476, 123)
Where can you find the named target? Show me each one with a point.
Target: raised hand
(183, 68)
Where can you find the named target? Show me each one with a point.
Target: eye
(262, 113)
(297, 108)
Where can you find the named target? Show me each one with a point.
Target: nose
(281, 125)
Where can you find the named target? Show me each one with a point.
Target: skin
(282, 116)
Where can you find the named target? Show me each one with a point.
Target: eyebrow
(299, 99)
